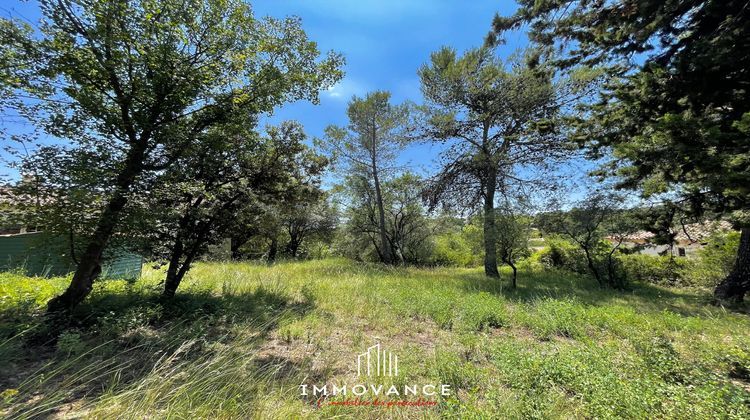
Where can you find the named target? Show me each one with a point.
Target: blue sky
(384, 42)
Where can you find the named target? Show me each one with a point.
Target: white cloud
(345, 89)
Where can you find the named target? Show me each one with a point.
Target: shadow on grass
(551, 283)
(560, 284)
(117, 338)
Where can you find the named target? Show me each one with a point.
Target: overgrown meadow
(240, 339)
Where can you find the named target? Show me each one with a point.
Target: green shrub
(69, 343)
(653, 269)
(452, 249)
(563, 254)
(533, 263)
(706, 269)
(714, 261)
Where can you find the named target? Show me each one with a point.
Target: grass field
(240, 338)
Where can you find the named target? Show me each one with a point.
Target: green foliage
(716, 259)
(557, 317)
(462, 245)
(408, 230)
(556, 347)
(453, 249)
(501, 116)
(513, 231)
(481, 312)
(140, 88)
(495, 136)
(598, 226)
(655, 269)
(563, 254)
(674, 122)
(117, 324)
(69, 343)
(659, 355)
(457, 373)
(680, 104)
(231, 171)
(309, 222)
(706, 268)
(366, 149)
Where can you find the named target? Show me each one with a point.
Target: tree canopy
(144, 79)
(497, 119)
(674, 110)
(368, 146)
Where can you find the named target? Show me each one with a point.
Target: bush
(452, 249)
(710, 265)
(715, 260)
(563, 254)
(69, 343)
(534, 262)
(653, 269)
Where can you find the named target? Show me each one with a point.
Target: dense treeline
(160, 104)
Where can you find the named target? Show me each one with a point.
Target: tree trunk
(398, 255)
(89, 266)
(377, 248)
(172, 282)
(733, 288)
(236, 244)
(292, 247)
(273, 250)
(507, 258)
(592, 267)
(490, 230)
(387, 252)
(175, 275)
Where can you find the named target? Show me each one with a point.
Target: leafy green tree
(61, 194)
(230, 168)
(675, 111)
(409, 230)
(513, 229)
(247, 225)
(497, 118)
(303, 216)
(407, 227)
(312, 218)
(598, 225)
(368, 146)
(267, 233)
(22, 78)
(147, 78)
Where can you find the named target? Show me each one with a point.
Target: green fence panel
(38, 254)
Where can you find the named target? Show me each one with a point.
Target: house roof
(694, 232)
